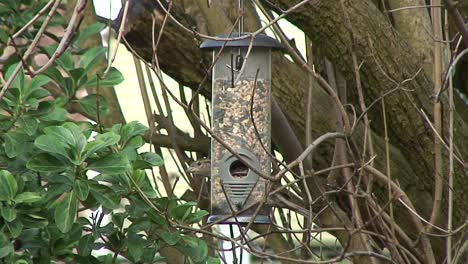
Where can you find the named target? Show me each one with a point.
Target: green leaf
(171, 238)
(61, 133)
(33, 221)
(6, 247)
(15, 142)
(3, 35)
(15, 227)
(52, 144)
(141, 179)
(55, 75)
(157, 218)
(137, 207)
(118, 219)
(148, 160)
(66, 140)
(105, 196)
(89, 104)
(113, 78)
(194, 247)
(28, 124)
(19, 78)
(9, 214)
(69, 87)
(182, 211)
(79, 77)
(45, 162)
(81, 189)
(91, 57)
(132, 129)
(88, 32)
(8, 186)
(196, 216)
(27, 197)
(79, 142)
(39, 93)
(56, 114)
(114, 163)
(65, 60)
(36, 83)
(86, 245)
(102, 141)
(65, 212)
(136, 245)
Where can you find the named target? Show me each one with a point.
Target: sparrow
(201, 170)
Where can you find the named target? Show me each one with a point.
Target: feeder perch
(236, 79)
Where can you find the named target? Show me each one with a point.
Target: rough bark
(380, 49)
(414, 26)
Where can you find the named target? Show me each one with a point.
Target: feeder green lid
(261, 41)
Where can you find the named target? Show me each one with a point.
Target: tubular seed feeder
(234, 187)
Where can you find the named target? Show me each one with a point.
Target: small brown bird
(201, 168)
(282, 199)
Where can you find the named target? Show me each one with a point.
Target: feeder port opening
(238, 169)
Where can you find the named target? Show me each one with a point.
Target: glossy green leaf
(15, 227)
(89, 31)
(113, 78)
(171, 238)
(28, 124)
(6, 247)
(39, 93)
(61, 133)
(81, 189)
(79, 77)
(118, 219)
(79, 140)
(3, 35)
(8, 186)
(136, 245)
(9, 214)
(148, 160)
(105, 196)
(141, 178)
(18, 82)
(182, 211)
(45, 162)
(27, 197)
(33, 221)
(54, 74)
(92, 56)
(132, 129)
(86, 245)
(56, 114)
(102, 141)
(90, 104)
(196, 216)
(52, 144)
(114, 163)
(15, 143)
(36, 83)
(65, 212)
(195, 248)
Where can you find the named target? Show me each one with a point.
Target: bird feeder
(241, 101)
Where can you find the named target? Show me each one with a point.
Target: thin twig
(437, 113)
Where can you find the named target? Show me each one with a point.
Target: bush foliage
(50, 207)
